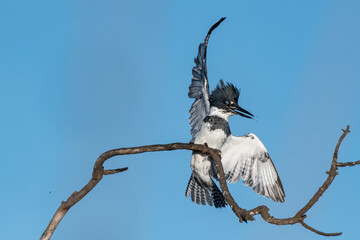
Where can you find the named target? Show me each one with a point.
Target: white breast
(213, 138)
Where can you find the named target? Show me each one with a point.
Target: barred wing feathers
(199, 87)
(246, 158)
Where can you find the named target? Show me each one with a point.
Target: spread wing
(199, 87)
(246, 158)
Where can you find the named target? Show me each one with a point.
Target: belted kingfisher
(242, 157)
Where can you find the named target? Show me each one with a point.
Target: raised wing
(199, 87)
(246, 158)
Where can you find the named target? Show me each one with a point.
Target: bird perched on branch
(244, 157)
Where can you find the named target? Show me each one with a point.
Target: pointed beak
(242, 112)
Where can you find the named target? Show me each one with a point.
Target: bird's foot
(245, 216)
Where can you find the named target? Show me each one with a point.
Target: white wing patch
(246, 158)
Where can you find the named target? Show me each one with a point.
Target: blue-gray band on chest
(218, 123)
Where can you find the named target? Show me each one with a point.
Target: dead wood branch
(242, 214)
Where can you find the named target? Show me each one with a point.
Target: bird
(243, 157)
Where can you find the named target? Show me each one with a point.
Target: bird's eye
(227, 102)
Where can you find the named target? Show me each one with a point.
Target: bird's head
(225, 97)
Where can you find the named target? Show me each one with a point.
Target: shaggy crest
(223, 94)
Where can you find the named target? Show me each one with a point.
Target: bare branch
(242, 214)
(99, 172)
(348, 164)
(113, 171)
(332, 174)
(318, 232)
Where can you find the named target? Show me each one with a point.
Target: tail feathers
(201, 194)
(218, 197)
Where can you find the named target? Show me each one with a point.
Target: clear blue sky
(78, 78)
